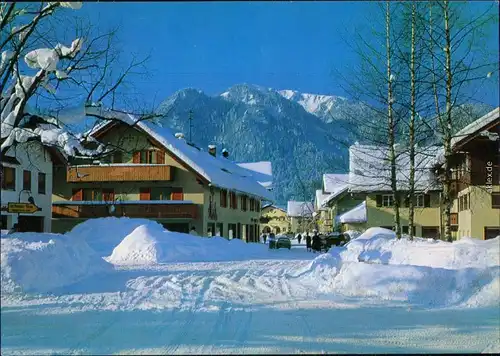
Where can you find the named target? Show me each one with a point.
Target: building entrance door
(30, 223)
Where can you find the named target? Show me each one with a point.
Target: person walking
(299, 237)
(316, 242)
(308, 242)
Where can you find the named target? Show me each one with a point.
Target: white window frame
(387, 200)
(419, 201)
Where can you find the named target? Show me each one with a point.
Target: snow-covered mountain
(303, 135)
(257, 123)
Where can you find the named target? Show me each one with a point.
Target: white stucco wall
(34, 157)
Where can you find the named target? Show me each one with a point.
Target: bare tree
(40, 77)
(453, 47)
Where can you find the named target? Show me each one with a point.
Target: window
(244, 203)
(460, 203)
(257, 205)
(41, 183)
(419, 200)
(219, 230)
(3, 222)
(387, 200)
(161, 193)
(90, 194)
(231, 230)
(495, 200)
(252, 204)
(406, 229)
(211, 229)
(466, 202)
(223, 198)
(27, 180)
(233, 202)
(8, 178)
(146, 157)
(117, 157)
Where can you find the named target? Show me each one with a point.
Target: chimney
(212, 150)
(225, 153)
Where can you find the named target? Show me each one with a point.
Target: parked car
(335, 239)
(283, 242)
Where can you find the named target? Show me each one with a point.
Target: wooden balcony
(119, 173)
(86, 210)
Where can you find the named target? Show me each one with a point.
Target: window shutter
(160, 157)
(427, 201)
(495, 200)
(108, 194)
(137, 157)
(177, 195)
(77, 195)
(223, 198)
(379, 200)
(145, 194)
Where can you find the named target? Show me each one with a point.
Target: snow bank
(151, 244)
(104, 234)
(378, 245)
(423, 271)
(39, 262)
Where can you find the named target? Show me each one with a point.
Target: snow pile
(39, 262)
(423, 271)
(104, 234)
(151, 244)
(378, 245)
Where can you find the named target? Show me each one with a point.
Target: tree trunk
(390, 123)
(411, 193)
(447, 199)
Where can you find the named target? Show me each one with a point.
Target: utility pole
(190, 126)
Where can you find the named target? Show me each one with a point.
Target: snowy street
(258, 306)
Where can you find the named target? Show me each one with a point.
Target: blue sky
(212, 46)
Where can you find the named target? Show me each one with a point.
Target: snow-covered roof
(219, 171)
(278, 207)
(355, 215)
(262, 172)
(300, 208)
(369, 168)
(332, 182)
(475, 126)
(335, 194)
(318, 201)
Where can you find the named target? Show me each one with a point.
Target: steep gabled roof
(218, 171)
(481, 124)
(369, 168)
(332, 182)
(318, 201)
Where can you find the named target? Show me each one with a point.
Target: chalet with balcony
(476, 174)
(152, 173)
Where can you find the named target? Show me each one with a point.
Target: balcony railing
(119, 173)
(135, 209)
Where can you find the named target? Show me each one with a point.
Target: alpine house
(150, 172)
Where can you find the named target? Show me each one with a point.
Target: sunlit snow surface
(378, 295)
